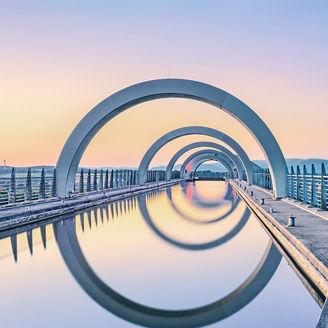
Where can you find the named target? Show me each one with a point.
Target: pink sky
(59, 59)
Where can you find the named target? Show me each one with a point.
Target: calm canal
(186, 256)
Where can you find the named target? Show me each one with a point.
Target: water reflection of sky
(128, 256)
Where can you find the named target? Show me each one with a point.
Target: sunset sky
(59, 59)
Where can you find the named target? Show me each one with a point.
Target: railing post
(28, 185)
(267, 175)
(292, 182)
(288, 183)
(89, 181)
(106, 180)
(323, 187)
(101, 180)
(95, 180)
(12, 187)
(312, 184)
(53, 185)
(42, 188)
(305, 198)
(81, 183)
(298, 173)
(111, 182)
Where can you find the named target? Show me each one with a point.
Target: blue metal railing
(308, 187)
(16, 189)
(262, 178)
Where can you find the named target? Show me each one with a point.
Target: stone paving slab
(310, 235)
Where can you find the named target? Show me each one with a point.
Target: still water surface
(189, 255)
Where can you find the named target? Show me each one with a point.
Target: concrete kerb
(313, 268)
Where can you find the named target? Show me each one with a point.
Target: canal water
(186, 256)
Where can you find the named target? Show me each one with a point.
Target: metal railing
(309, 188)
(31, 187)
(262, 178)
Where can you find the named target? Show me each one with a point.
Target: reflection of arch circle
(167, 88)
(234, 204)
(233, 157)
(207, 154)
(174, 134)
(191, 247)
(152, 317)
(205, 203)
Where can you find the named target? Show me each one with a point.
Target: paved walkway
(310, 235)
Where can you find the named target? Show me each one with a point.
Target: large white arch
(196, 159)
(188, 130)
(235, 158)
(167, 88)
(202, 159)
(211, 157)
(206, 155)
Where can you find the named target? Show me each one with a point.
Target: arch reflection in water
(192, 247)
(190, 191)
(234, 201)
(121, 306)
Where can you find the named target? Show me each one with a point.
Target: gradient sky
(59, 59)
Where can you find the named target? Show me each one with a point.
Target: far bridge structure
(272, 194)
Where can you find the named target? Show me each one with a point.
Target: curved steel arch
(200, 161)
(120, 101)
(157, 145)
(235, 158)
(205, 158)
(207, 154)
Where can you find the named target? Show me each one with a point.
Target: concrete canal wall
(306, 242)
